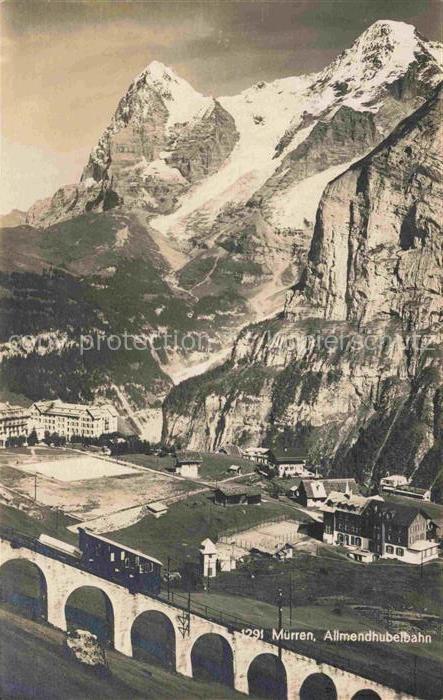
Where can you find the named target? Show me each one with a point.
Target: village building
(235, 469)
(208, 556)
(401, 531)
(259, 455)
(394, 480)
(343, 523)
(281, 551)
(371, 528)
(69, 419)
(398, 485)
(287, 463)
(187, 464)
(156, 508)
(237, 494)
(313, 492)
(14, 422)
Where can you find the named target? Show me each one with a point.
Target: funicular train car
(128, 567)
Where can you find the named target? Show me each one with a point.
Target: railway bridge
(245, 660)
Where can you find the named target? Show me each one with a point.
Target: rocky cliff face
(351, 370)
(376, 249)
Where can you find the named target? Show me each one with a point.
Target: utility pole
(290, 600)
(35, 486)
(280, 619)
(169, 578)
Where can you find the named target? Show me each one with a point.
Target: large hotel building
(66, 419)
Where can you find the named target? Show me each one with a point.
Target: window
(399, 551)
(358, 541)
(112, 556)
(389, 549)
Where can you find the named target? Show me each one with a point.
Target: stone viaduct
(61, 580)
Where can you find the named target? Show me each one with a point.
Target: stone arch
(318, 686)
(267, 677)
(24, 585)
(153, 638)
(366, 694)
(89, 607)
(212, 658)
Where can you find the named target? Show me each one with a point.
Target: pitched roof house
(313, 492)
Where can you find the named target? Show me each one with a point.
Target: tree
(32, 438)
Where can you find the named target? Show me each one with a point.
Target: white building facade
(68, 419)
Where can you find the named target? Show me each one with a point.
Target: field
(76, 468)
(94, 495)
(33, 664)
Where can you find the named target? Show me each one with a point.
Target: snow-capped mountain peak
(225, 150)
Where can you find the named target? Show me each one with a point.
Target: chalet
(401, 532)
(259, 455)
(235, 469)
(314, 492)
(237, 494)
(188, 464)
(343, 523)
(287, 463)
(371, 528)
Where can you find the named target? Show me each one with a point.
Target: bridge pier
(183, 661)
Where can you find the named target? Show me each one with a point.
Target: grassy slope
(179, 533)
(215, 466)
(48, 523)
(34, 665)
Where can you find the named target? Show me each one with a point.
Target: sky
(66, 63)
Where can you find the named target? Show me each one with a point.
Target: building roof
(7, 410)
(422, 545)
(122, 546)
(289, 454)
(256, 450)
(186, 457)
(398, 513)
(231, 450)
(208, 547)
(338, 500)
(238, 490)
(412, 489)
(156, 507)
(61, 408)
(321, 488)
(271, 547)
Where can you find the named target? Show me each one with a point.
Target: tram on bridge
(128, 567)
